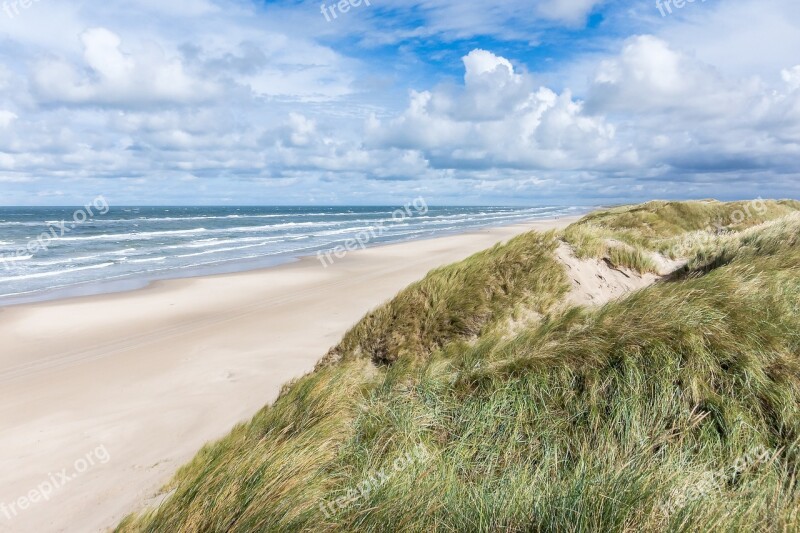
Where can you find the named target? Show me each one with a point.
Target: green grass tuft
(632, 258)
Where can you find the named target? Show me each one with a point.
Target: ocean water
(48, 252)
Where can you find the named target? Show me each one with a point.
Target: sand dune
(104, 397)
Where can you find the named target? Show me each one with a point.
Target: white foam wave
(14, 258)
(134, 236)
(55, 272)
(148, 260)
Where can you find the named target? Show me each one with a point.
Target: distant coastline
(128, 248)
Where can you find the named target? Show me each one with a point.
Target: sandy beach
(102, 398)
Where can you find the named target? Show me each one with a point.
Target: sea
(53, 252)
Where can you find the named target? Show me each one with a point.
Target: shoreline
(150, 376)
(141, 282)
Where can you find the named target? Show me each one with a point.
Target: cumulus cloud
(110, 75)
(741, 38)
(6, 118)
(792, 77)
(650, 75)
(654, 114)
(686, 117)
(302, 129)
(499, 119)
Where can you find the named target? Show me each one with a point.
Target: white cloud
(792, 77)
(301, 130)
(650, 75)
(497, 119)
(687, 119)
(741, 38)
(479, 63)
(117, 77)
(6, 118)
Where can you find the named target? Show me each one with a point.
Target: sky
(504, 102)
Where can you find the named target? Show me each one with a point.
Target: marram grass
(460, 301)
(635, 416)
(627, 235)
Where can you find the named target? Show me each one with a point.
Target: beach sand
(140, 381)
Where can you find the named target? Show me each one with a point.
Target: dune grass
(641, 415)
(628, 236)
(633, 258)
(460, 301)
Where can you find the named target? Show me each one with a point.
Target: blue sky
(497, 102)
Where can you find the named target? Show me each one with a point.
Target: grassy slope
(626, 235)
(591, 420)
(460, 301)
